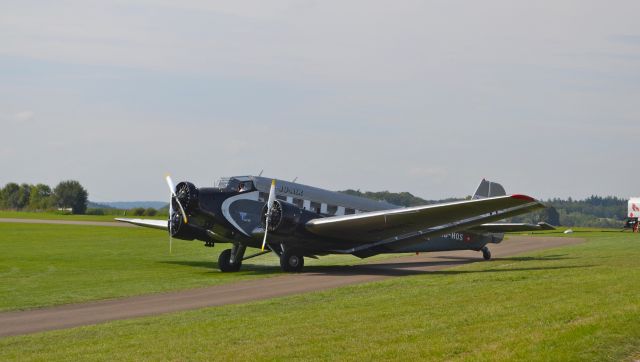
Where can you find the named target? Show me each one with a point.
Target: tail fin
(488, 189)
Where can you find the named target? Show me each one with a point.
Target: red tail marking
(523, 197)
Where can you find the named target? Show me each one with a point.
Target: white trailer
(633, 207)
(633, 213)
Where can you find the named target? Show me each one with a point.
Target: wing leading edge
(512, 227)
(154, 224)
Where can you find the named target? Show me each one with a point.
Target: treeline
(398, 198)
(67, 195)
(595, 211)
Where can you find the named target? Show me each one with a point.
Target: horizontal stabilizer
(148, 223)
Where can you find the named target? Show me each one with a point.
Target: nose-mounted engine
(287, 219)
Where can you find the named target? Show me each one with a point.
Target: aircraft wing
(149, 223)
(512, 227)
(388, 226)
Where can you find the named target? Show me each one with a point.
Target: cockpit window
(235, 185)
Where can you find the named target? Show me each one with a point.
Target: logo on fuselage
(454, 236)
(290, 190)
(458, 236)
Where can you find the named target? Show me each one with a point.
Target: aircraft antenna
(261, 171)
(295, 179)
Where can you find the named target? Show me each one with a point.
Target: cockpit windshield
(235, 184)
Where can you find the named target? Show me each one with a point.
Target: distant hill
(125, 205)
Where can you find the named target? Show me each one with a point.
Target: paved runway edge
(319, 278)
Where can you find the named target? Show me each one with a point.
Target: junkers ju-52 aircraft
(295, 221)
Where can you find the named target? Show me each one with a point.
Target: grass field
(573, 303)
(60, 216)
(43, 265)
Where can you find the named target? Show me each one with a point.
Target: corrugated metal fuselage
(240, 212)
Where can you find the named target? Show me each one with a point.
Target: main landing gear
(230, 260)
(486, 254)
(291, 261)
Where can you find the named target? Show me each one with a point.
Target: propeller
(170, 222)
(173, 196)
(173, 193)
(272, 198)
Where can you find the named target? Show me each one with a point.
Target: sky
(421, 96)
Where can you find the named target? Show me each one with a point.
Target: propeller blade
(172, 188)
(272, 198)
(170, 228)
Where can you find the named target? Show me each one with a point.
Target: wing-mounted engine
(181, 230)
(187, 196)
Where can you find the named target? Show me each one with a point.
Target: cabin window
(298, 202)
(315, 207)
(332, 210)
(349, 211)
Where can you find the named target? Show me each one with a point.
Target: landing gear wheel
(291, 261)
(486, 253)
(224, 262)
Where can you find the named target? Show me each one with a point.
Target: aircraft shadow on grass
(513, 258)
(387, 269)
(405, 269)
(212, 267)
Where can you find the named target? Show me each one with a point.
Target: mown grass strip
(573, 303)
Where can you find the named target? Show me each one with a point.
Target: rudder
(488, 189)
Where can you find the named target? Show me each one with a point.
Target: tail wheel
(224, 262)
(486, 253)
(291, 261)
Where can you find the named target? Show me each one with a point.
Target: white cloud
(24, 116)
(19, 117)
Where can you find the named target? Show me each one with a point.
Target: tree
(10, 195)
(24, 193)
(551, 216)
(70, 194)
(40, 197)
(150, 211)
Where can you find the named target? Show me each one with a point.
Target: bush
(95, 212)
(138, 211)
(150, 212)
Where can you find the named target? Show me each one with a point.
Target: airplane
(294, 221)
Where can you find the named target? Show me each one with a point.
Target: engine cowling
(286, 218)
(187, 193)
(180, 230)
